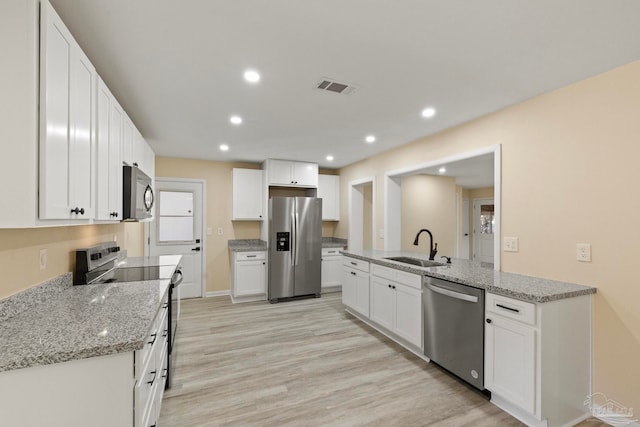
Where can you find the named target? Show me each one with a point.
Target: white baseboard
(210, 294)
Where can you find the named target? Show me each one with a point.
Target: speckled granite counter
(247, 245)
(334, 242)
(480, 275)
(77, 322)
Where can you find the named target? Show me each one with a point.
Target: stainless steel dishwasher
(454, 328)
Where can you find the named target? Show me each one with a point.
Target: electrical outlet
(43, 259)
(209, 231)
(511, 244)
(219, 231)
(583, 252)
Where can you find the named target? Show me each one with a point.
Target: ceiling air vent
(330, 85)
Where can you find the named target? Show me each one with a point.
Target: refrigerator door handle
(292, 243)
(295, 242)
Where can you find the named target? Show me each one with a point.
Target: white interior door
(483, 229)
(177, 230)
(464, 246)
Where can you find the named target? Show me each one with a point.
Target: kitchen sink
(416, 261)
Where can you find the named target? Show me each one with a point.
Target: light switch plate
(583, 252)
(511, 244)
(219, 231)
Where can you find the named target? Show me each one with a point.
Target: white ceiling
(176, 66)
(475, 172)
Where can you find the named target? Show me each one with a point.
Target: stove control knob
(94, 257)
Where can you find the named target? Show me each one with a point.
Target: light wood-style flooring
(307, 363)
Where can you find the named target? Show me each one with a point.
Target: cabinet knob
(488, 320)
(78, 210)
(264, 263)
(353, 273)
(135, 164)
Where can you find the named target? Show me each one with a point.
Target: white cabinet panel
(510, 361)
(248, 190)
(250, 278)
(382, 302)
(355, 289)
(108, 161)
(127, 140)
(291, 174)
(408, 314)
(331, 272)
(329, 192)
(67, 123)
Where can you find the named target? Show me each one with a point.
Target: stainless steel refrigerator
(295, 247)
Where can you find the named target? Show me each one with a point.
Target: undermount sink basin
(416, 261)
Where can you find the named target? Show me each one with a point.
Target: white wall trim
(356, 208)
(210, 294)
(393, 196)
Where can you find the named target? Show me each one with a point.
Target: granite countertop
(77, 322)
(248, 245)
(481, 275)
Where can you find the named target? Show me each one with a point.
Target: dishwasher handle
(453, 294)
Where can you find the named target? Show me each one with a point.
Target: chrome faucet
(433, 249)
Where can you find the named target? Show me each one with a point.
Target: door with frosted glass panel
(177, 230)
(483, 229)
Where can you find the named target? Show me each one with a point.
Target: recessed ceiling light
(442, 170)
(236, 120)
(252, 76)
(224, 147)
(429, 112)
(370, 139)
(330, 158)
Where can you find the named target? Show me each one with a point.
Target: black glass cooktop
(131, 274)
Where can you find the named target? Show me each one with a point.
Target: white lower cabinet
(331, 271)
(150, 371)
(396, 302)
(355, 285)
(538, 358)
(249, 276)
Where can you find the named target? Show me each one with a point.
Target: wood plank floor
(307, 363)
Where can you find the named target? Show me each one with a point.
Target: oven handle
(176, 282)
(453, 294)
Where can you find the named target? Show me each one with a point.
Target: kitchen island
(536, 350)
(76, 352)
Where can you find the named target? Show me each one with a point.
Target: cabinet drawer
(250, 256)
(356, 263)
(384, 272)
(521, 311)
(331, 252)
(409, 279)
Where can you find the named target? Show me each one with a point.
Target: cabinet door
(382, 302)
(329, 192)
(67, 117)
(250, 278)
(247, 194)
(349, 290)
(115, 160)
(82, 152)
(280, 172)
(102, 149)
(305, 174)
(362, 293)
(408, 314)
(331, 271)
(510, 361)
(127, 140)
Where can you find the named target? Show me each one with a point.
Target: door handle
(197, 249)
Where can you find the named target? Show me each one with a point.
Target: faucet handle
(448, 259)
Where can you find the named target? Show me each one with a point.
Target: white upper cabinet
(248, 190)
(128, 131)
(109, 160)
(284, 173)
(135, 150)
(67, 113)
(329, 192)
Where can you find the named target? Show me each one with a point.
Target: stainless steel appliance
(97, 264)
(454, 328)
(137, 194)
(295, 247)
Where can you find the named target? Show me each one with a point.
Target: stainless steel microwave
(137, 194)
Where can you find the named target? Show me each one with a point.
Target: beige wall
(429, 202)
(20, 251)
(569, 160)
